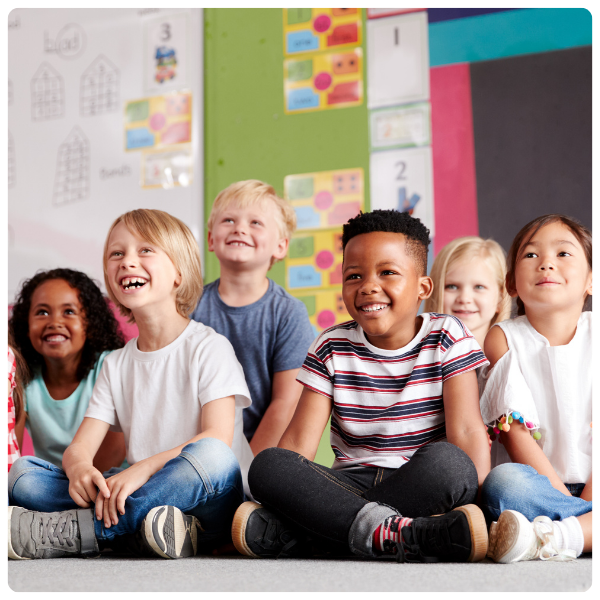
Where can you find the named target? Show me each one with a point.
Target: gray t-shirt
(272, 334)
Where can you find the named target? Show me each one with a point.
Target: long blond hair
(174, 238)
(469, 247)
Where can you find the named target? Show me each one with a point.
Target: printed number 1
(165, 32)
(402, 167)
(396, 36)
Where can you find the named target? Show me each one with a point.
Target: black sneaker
(33, 534)
(259, 533)
(458, 536)
(169, 533)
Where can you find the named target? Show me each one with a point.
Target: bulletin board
(71, 75)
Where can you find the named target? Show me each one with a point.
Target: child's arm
(284, 399)
(111, 452)
(217, 421)
(19, 427)
(307, 425)
(463, 421)
(519, 443)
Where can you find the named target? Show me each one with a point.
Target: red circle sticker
(322, 81)
(157, 121)
(325, 319)
(322, 23)
(324, 259)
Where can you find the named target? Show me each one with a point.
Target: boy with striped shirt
(406, 429)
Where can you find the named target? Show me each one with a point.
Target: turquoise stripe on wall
(510, 33)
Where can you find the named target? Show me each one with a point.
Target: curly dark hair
(101, 328)
(417, 235)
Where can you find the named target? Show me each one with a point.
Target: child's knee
(267, 467)
(504, 480)
(23, 480)
(214, 459)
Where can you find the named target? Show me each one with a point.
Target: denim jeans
(341, 509)
(513, 486)
(204, 481)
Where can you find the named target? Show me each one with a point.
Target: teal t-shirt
(52, 424)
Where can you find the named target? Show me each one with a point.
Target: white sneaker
(514, 538)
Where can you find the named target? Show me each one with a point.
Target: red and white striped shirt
(388, 403)
(13, 446)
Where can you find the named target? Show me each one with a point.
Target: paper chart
(158, 121)
(325, 199)
(323, 81)
(317, 29)
(314, 260)
(325, 308)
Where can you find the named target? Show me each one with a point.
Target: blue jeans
(513, 486)
(204, 481)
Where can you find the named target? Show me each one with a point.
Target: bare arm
(519, 443)
(284, 399)
(464, 425)
(111, 452)
(307, 425)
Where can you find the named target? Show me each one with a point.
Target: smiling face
(551, 270)
(382, 288)
(247, 238)
(57, 321)
(141, 275)
(472, 293)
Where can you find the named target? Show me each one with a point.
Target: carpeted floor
(236, 573)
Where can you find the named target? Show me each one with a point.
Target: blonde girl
(468, 282)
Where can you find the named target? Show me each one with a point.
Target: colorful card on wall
(400, 127)
(325, 199)
(159, 121)
(167, 169)
(325, 308)
(402, 180)
(316, 29)
(322, 81)
(314, 260)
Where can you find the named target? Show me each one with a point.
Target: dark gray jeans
(343, 508)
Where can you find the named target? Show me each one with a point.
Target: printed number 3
(165, 32)
(401, 165)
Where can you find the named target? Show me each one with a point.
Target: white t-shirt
(156, 398)
(551, 386)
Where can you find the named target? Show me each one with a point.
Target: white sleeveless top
(551, 386)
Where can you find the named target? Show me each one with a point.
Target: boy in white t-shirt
(176, 392)
(406, 429)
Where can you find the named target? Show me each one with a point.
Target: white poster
(402, 180)
(397, 60)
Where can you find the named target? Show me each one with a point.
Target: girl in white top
(538, 398)
(176, 392)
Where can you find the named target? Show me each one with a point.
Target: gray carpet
(236, 573)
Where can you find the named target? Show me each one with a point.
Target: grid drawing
(72, 181)
(12, 173)
(47, 94)
(10, 93)
(99, 88)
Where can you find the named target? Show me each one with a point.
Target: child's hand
(87, 485)
(121, 486)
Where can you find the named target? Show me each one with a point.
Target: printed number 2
(401, 165)
(165, 34)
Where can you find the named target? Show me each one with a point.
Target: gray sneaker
(171, 533)
(33, 534)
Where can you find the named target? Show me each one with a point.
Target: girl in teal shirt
(64, 328)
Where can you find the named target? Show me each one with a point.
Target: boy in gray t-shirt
(249, 229)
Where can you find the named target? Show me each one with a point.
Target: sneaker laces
(61, 531)
(545, 548)
(275, 534)
(432, 536)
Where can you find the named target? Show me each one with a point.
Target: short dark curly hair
(417, 235)
(101, 328)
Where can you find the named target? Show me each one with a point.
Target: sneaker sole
(238, 528)
(166, 530)
(505, 537)
(11, 551)
(478, 529)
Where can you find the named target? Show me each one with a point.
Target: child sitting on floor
(64, 329)
(468, 282)
(249, 229)
(538, 398)
(174, 392)
(406, 430)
